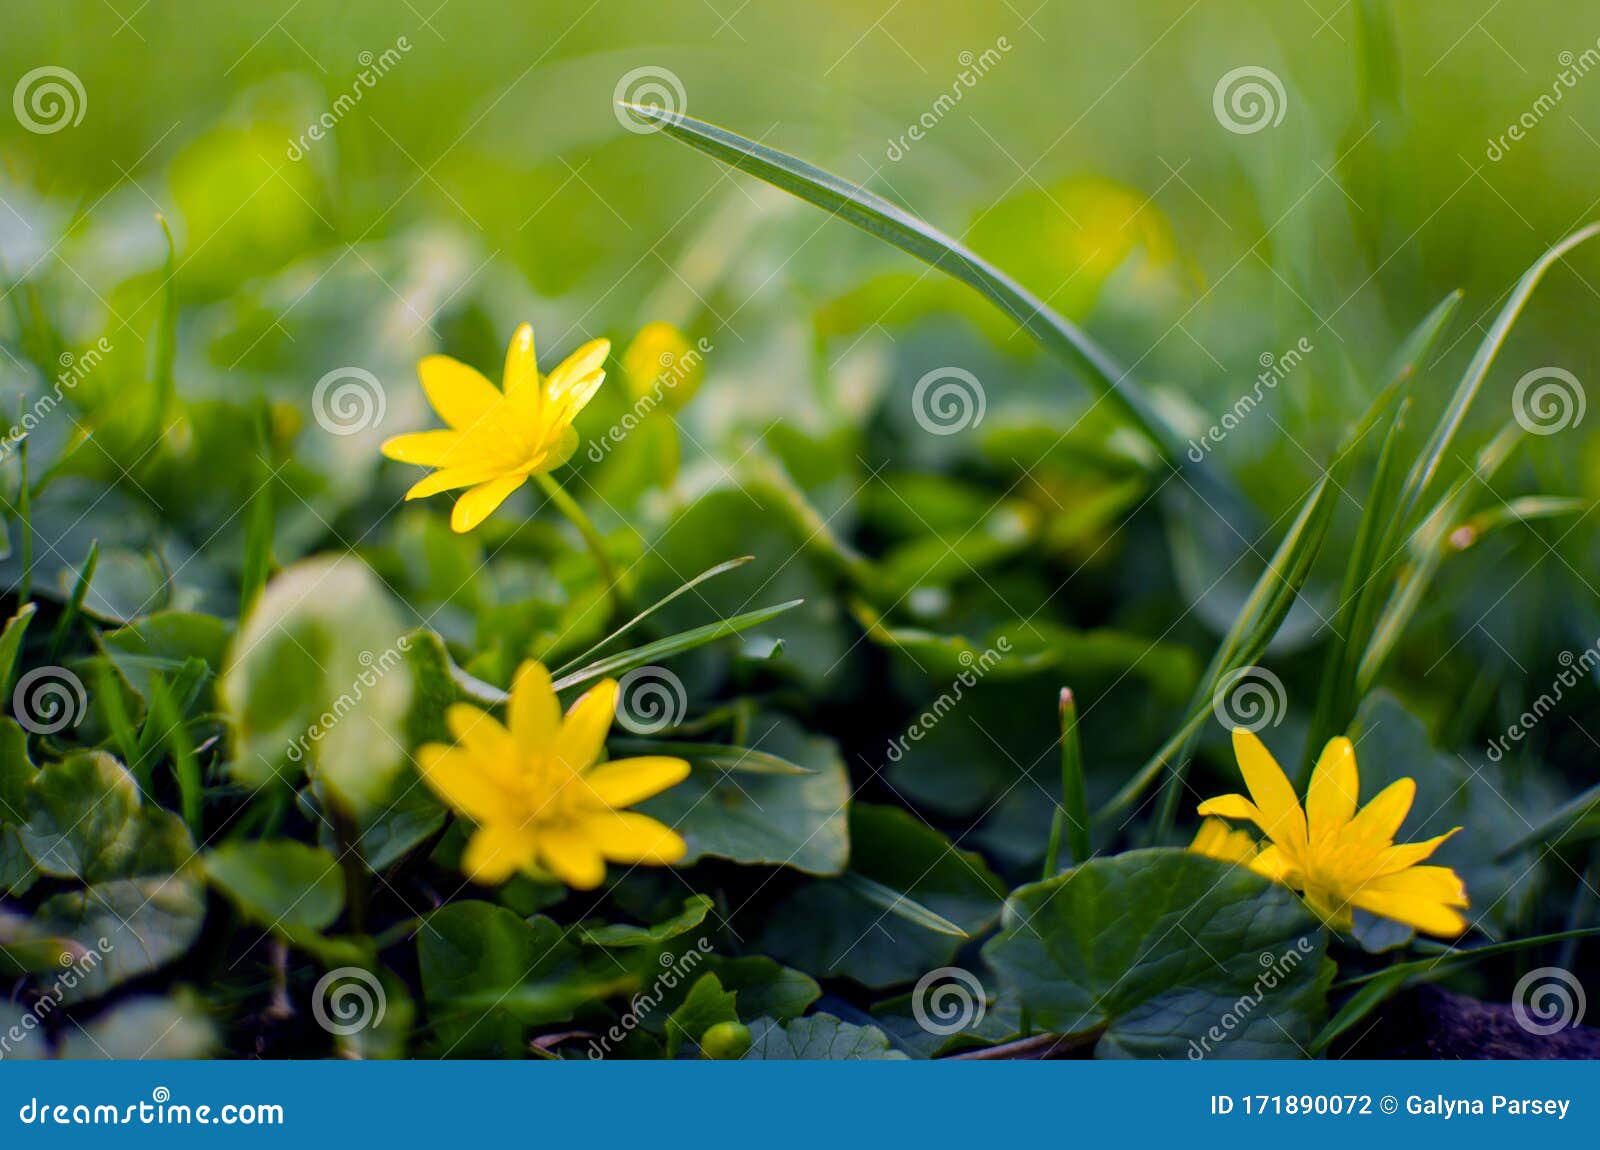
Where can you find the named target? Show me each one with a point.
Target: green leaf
(133, 925)
(87, 820)
(781, 820)
(17, 772)
(318, 677)
(11, 643)
(695, 909)
(818, 1037)
(766, 987)
(140, 1029)
(163, 643)
(280, 885)
(706, 1004)
(903, 908)
(1163, 953)
(888, 222)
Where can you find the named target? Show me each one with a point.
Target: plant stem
(1072, 815)
(591, 538)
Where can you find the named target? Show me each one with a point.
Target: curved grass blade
(891, 900)
(892, 223)
(709, 573)
(672, 645)
(720, 755)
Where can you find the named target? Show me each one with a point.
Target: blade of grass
(900, 905)
(673, 645)
(74, 606)
(895, 225)
(1072, 815)
(708, 573)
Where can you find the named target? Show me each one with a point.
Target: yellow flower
(1337, 857)
(661, 360)
(497, 438)
(536, 792)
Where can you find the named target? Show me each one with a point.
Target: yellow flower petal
(571, 857)
(458, 393)
(483, 737)
(628, 837)
(1378, 821)
(499, 850)
(1283, 820)
(479, 503)
(1439, 883)
(1215, 839)
(450, 478)
(1270, 863)
(1414, 911)
(1394, 859)
(1331, 798)
(429, 448)
(460, 781)
(577, 367)
(583, 732)
(1232, 807)
(627, 781)
(522, 367)
(534, 710)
